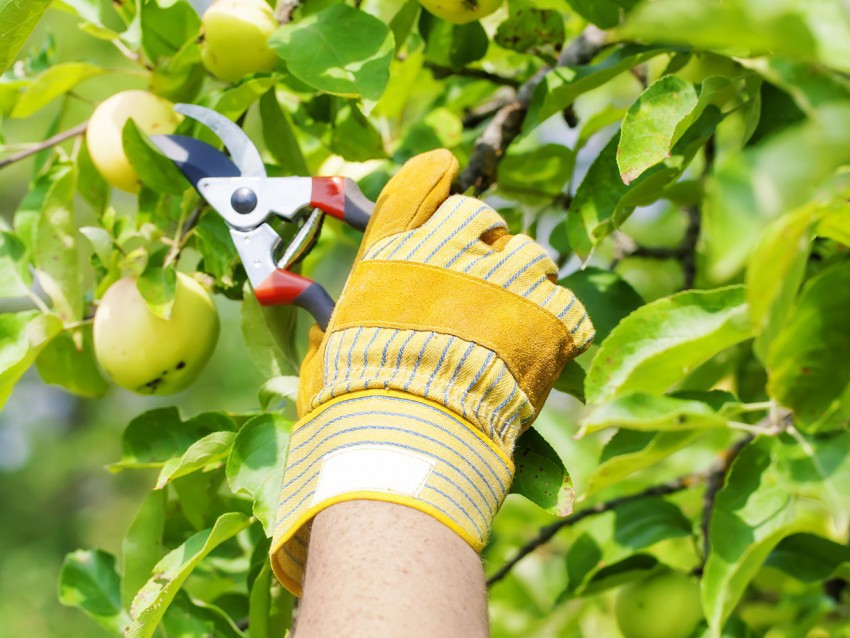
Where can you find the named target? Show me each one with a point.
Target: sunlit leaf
(354, 66)
(17, 20)
(658, 344)
(22, 336)
(68, 360)
(88, 581)
(807, 360)
(255, 466)
(168, 576)
(203, 454)
(157, 436)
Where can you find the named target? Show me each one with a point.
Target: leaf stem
(48, 143)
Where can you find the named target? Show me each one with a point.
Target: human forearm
(381, 569)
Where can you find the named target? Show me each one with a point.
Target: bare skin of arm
(381, 569)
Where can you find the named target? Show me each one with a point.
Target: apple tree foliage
(685, 162)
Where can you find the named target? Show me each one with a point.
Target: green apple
(461, 11)
(147, 354)
(662, 605)
(153, 116)
(236, 34)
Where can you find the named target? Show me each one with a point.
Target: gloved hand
(445, 343)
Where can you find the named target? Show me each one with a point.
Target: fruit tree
(684, 162)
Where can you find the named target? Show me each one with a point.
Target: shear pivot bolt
(244, 201)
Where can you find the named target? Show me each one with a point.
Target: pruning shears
(239, 189)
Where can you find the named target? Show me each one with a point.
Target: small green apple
(461, 11)
(147, 354)
(236, 34)
(151, 113)
(662, 605)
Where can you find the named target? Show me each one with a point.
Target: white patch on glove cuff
(372, 468)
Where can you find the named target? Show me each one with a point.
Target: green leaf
(256, 462)
(55, 250)
(166, 27)
(752, 513)
(749, 189)
(808, 557)
(142, 546)
(158, 285)
(541, 476)
(658, 344)
(571, 380)
(168, 576)
(777, 267)
(234, 101)
(603, 13)
(532, 30)
(354, 137)
(17, 21)
(648, 132)
(190, 618)
(15, 278)
(22, 337)
(807, 361)
(563, 85)
(268, 333)
(815, 32)
(68, 360)
(213, 241)
(353, 66)
(156, 171)
(90, 184)
(452, 46)
(270, 610)
(629, 451)
(89, 582)
(280, 138)
(203, 455)
(619, 535)
(539, 171)
(607, 297)
(650, 413)
(154, 437)
(603, 202)
(277, 389)
(52, 83)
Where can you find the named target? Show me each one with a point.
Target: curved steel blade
(197, 160)
(245, 155)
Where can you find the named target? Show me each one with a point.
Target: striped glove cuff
(388, 446)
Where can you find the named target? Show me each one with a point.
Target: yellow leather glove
(445, 343)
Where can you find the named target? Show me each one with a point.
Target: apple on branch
(147, 354)
(152, 114)
(461, 11)
(235, 38)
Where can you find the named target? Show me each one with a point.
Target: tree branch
(489, 149)
(441, 72)
(548, 532)
(49, 142)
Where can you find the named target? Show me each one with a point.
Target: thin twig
(548, 532)
(51, 141)
(506, 125)
(440, 72)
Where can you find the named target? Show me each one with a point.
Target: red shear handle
(342, 198)
(283, 287)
